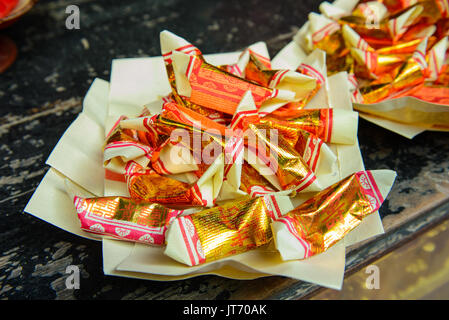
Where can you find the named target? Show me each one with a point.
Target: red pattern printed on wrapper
(328, 29)
(420, 58)
(370, 189)
(241, 119)
(371, 61)
(124, 230)
(234, 69)
(191, 240)
(305, 182)
(362, 44)
(277, 78)
(273, 207)
(189, 49)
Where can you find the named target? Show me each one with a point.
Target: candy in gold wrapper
(323, 220)
(310, 148)
(253, 183)
(226, 230)
(411, 74)
(125, 218)
(204, 84)
(313, 66)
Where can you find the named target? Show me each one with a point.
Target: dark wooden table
(40, 95)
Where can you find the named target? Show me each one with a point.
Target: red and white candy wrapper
(314, 66)
(204, 84)
(320, 28)
(125, 218)
(149, 186)
(436, 59)
(317, 154)
(122, 218)
(328, 216)
(219, 232)
(259, 50)
(171, 43)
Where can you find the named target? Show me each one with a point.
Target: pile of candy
(212, 168)
(389, 48)
(6, 6)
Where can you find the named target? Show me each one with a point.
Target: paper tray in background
(381, 113)
(78, 155)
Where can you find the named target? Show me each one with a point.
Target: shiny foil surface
(233, 228)
(125, 218)
(329, 215)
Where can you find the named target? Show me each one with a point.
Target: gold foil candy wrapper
(223, 231)
(409, 75)
(125, 218)
(385, 31)
(323, 220)
(316, 121)
(207, 85)
(269, 148)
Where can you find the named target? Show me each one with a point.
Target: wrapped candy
(335, 126)
(395, 55)
(329, 215)
(204, 84)
(226, 230)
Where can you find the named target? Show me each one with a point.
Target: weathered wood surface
(41, 94)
